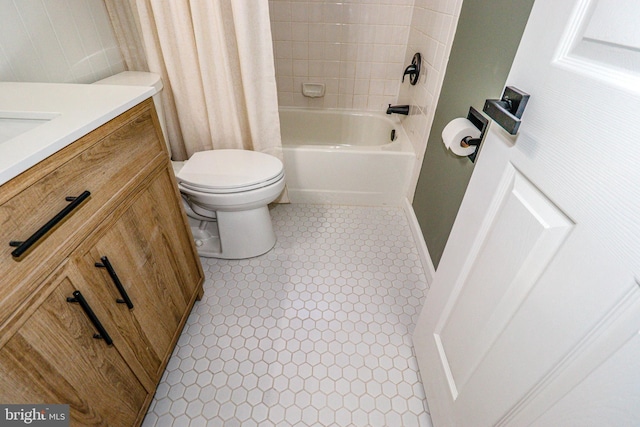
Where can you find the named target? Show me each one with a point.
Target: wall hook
(413, 70)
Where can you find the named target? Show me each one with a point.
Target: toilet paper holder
(480, 122)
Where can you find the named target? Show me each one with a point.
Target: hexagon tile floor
(317, 332)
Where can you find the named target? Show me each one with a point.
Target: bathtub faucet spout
(398, 109)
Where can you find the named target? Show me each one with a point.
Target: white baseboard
(423, 251)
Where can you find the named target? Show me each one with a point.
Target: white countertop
(56, 114)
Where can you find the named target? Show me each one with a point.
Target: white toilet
(226, 192)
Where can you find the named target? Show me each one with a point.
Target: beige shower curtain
(216, 62)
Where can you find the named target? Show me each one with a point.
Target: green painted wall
(485, 44)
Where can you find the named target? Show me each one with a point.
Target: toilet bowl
(234, 187)
(225, 192)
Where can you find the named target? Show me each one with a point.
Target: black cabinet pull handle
(116, 281)
(102, 332)
(23, 246)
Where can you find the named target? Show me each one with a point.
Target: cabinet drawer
(107, 167)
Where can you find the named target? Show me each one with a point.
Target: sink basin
(39, 119)
(13, 124)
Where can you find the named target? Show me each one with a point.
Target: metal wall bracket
(508, 110)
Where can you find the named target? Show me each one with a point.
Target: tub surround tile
(345, 101)
(315, 332)
(431, 33)
(365, 35)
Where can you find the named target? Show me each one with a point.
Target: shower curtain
(216, 62)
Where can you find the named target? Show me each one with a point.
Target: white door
(534, 314)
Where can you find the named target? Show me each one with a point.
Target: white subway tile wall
(433, 27)
(356, 48)
(61, 41)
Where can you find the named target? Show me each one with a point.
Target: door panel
(602, 40)
(519, 238)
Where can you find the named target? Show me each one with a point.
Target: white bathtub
(345, 157)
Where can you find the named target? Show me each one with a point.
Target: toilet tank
(141, 78)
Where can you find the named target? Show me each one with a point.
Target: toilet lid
(230, 171)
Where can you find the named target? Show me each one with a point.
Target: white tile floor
(317, 332)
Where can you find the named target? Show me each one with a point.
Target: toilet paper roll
(455, 131)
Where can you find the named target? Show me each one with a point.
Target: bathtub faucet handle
(410, 70)
(413, 70)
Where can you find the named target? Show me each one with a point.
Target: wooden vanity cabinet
(48, 353)
(107, 162)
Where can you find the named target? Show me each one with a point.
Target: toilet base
(205, 234)
(235, 235)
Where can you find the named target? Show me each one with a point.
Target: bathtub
(345, 157)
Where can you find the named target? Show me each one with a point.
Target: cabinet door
(151, 256)
(54, 358)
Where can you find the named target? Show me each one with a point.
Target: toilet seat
(229, 171)
(239, 189)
